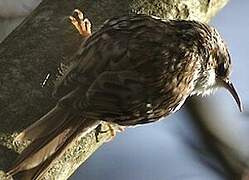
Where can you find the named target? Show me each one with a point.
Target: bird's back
(129, 64)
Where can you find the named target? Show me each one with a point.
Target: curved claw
(81, 24)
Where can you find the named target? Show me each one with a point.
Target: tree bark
(34, 51)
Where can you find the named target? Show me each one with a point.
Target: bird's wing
(116, 95)
(128, 53)
(158, 84)
(108, 45)
(129, 98)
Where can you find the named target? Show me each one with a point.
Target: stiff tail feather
(50, 135)
(44, 126)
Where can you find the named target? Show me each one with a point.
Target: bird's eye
(221, 70)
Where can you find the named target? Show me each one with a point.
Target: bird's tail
(49, 136)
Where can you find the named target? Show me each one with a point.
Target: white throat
(205, 83)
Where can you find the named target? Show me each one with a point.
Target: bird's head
(217, 70)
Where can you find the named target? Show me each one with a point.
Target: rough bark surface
(43, 41)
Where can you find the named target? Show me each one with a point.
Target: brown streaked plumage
(133, 70)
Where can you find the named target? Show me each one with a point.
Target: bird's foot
(113, 128)
(83, 25)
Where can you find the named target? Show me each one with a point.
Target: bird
(135, 69)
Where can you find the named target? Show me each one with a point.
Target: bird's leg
(83, 25)
(113, 128)
(97, 132)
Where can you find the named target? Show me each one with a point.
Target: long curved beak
(229, 86)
